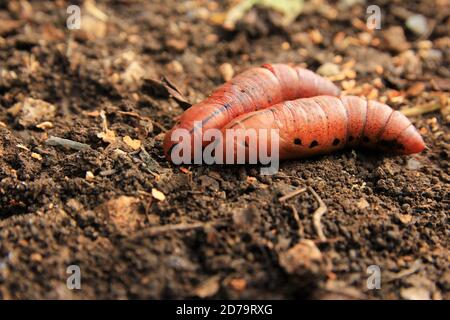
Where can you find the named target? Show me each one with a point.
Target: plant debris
(56, 141)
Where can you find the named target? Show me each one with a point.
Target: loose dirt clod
(32, 111)
(123, 213)
(304, 255)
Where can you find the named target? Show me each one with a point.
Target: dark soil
(237, 239)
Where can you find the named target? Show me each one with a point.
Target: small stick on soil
(55, 141)
(301, 234)
(320, 211)
(291, 194)
(155, 231)
(294, 210)
(420, 109)
(404, 273)
(106, 173)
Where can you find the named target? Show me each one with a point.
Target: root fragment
(320, 211)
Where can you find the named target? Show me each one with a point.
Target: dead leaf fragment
(165, 88)
(134, 144)
(290, 10)
(107, 135)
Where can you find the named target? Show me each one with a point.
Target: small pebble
(158, 195)
(328, 69)
(315, 36)
(413, 164)
(89, 176)
(362, 204)
(176, 44)
(418, 24)
(175, 67)
(226, 70)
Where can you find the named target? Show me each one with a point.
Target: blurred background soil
(140, 227)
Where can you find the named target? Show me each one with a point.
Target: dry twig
(320, 211)
(420, 109)
(56, 141)
(404, 273)
(291, 194)
(294, 210)
(301, 233)
(158, 230)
